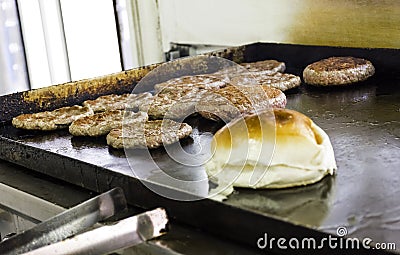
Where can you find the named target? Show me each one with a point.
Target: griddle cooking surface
(94, 150)
(363, 122)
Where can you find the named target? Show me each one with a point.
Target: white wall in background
(226, 22)
(53, 31)
(149, 23)
(91, 37)
(35, 44)
(13, 74)
(140, 32)
(352, 23)
(69, 40)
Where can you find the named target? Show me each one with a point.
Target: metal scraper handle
(67, 223)
(106, 239)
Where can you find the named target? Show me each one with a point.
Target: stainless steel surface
(123, 234)
(363, 123)
(179, 240)
(37, 209)
(66, 224)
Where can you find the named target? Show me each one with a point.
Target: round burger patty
(149, 134)
(102, 123)
(338, 71)
(51, 120)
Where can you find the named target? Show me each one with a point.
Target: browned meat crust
(338, 71)
(265, 66)
(281, 81)
(102, 123)
(231, 101)
(118, 102)
(51, 120)
(178, 100)
(149, 134)
(187, 82)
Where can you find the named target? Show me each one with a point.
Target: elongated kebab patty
(281, 81)
(187, 82)
(118, 102)
(102, 123)
(149, 134)
(177, 99)
(231, 101)
(51, 120)
(267, 72)
(265, 67)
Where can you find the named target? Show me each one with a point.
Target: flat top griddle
(362, 120)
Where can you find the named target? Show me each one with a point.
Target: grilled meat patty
(178, 100)
(51, 120)
(267, 72)
(149, 134)
(102, 123)
(118, 102)
(338, 71)
(265, 67)
(282, 81)
(229, 102)
(186, 82)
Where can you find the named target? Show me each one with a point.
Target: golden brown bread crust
(287, 123)
(51, 120)
(338, 71)
(282, 148)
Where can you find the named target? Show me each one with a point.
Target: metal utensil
(66, 224)
(103, 240)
